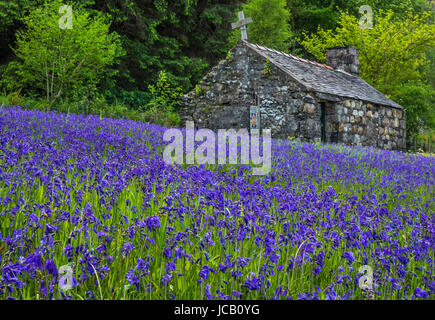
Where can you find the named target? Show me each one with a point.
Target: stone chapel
(261, 88)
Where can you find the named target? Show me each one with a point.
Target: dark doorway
(323, 121)
(328, 122)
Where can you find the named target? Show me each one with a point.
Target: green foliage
(200, 91)
(10, 11)
(161, 117)
(163, 94)
(419, 102)
(10, 14)
(181, 37)
(15, 98)
(271, 23)
(390, 53)
(429, 69)
(308, 15)
(401, 8)
(132, 99)
(267, 69)
(97, 106)
(161, 103)
(56, 61)
(185, 37)
(229, 57)
(393, 58)
(164, 102)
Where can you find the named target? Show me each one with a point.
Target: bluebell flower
(204, 273)
(420, 293)
(349, 257)
(152, 223)
(208, 295)
(252, 283)
(51, 268)
(127, 248)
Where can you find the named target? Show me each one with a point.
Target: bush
(15, 98)
(54, 62)
(131, 99)
(418, 99)
(161, 117)
(164, 95)
(164, 104)
(98, 105)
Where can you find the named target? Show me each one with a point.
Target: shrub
(163, 94)
(55, 62)
(418, 99)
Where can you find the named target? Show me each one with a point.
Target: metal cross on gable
(243, 25)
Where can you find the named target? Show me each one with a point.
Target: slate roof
(322, 78)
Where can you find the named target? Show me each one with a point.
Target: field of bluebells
(95, 196)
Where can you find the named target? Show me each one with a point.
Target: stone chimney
(343, 59)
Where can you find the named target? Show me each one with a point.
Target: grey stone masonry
(344, 59)
(289, 107)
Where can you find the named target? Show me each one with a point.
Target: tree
(419, 102)
(55, 60)
(391, 53)
(401, 8)
(271, 26)
(306, 16)
(182, 37)
(392, 58)
(10, 14)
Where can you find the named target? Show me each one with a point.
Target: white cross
(243, 25)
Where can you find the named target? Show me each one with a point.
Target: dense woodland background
(134, 59)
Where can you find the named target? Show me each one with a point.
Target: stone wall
(223, 98)
(370, 124)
